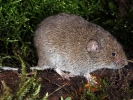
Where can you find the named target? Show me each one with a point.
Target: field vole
(67, 42)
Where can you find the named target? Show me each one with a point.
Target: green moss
(19, 19)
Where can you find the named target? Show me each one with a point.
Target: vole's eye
(113, 54)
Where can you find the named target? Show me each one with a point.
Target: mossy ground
(19, 19)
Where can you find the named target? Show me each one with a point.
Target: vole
(67, 42)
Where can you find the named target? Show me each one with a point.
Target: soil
(117, 83)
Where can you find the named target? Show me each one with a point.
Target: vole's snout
(121, 62)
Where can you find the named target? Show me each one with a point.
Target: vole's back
(61, 42)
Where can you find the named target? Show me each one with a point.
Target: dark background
(19, 19)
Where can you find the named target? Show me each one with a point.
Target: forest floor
(119, 83)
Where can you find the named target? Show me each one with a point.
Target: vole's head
(107, 52)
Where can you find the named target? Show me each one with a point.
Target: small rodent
(67, 42)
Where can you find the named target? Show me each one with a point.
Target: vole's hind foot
(62, 74)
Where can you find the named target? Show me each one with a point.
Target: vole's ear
(93, 46)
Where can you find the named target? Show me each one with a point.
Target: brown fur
(61, 41)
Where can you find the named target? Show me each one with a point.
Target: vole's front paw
(90, 79)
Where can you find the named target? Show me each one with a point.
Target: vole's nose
(121, 62)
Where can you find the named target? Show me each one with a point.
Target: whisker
(125, 60)
(130, 61)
